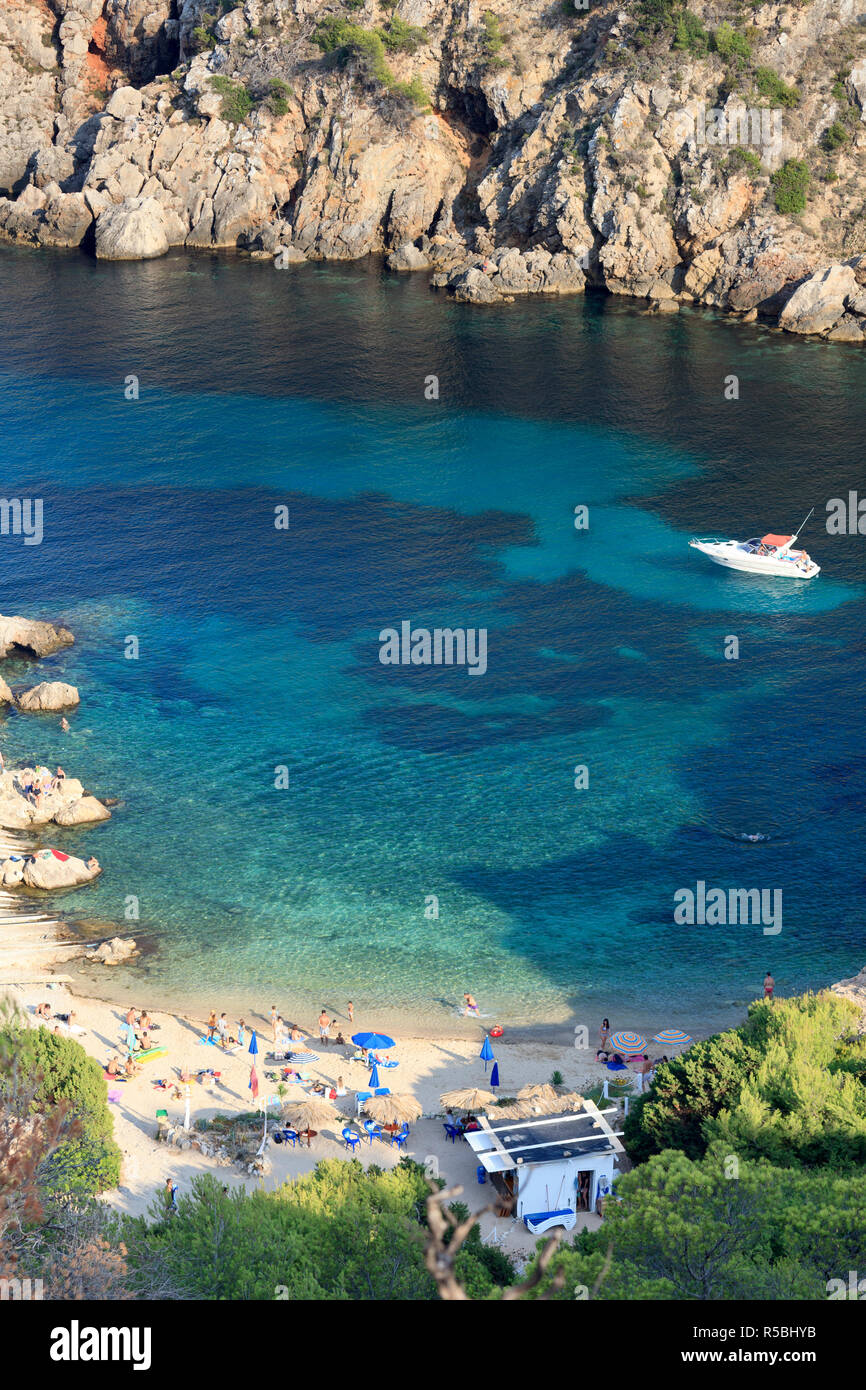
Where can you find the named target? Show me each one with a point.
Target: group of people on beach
(283, 1034)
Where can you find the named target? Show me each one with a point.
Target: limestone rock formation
(47, 869)
(819, 302)
(463, 137)
(133, 230)
(49, 695)
(31, 638)
(66, 804)
(117, 951)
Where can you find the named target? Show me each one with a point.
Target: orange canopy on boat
(776, 540)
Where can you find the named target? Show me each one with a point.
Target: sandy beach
(427, 1067)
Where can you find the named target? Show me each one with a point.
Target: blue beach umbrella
(254, 1043)
(486, 1053)
(373, 1040)
(494, 1075)
(374, 1081)
(673, 1037)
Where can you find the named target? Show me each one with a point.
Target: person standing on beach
(769, 985)
(604, 1034)
(171, 1196)
(324, 1025)
(274, 1021)
(211, 1025)
(241, 1033)
(351, 1010)
(222, 1029)
(471, 1007)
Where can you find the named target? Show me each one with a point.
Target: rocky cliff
(708, 151)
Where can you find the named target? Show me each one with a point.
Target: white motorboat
(771, 555)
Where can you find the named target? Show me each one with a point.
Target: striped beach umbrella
(673, 1037)
(627, 1042)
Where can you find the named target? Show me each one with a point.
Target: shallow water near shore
(259, 650)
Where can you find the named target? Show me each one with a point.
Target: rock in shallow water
(134, 230)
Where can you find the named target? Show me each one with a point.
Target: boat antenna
(802, 524)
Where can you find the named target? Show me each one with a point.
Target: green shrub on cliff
(236, 103)
(730, 44)
(790, 186)
(691, 36)
(367, 46)
(88, 1160)
(774, 90)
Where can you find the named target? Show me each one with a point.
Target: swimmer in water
(64, 724)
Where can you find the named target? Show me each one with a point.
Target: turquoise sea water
(258, 648)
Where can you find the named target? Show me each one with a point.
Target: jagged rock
(552, 147)
(49, 695)
(114, 952)
(847, 330)
(125, 101)
(6, 696)
(32, 636)
(857, 79)
(472, 286)
(408, 257)
(819, 302)
(133, 230)
(85, 810)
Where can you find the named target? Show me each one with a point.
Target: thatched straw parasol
(518, 1111)
(470, 1098)
(393, 1110)
(309, 1114)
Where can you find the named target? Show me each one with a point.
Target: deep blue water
(259, 647)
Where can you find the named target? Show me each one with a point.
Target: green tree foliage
(338, 1233)
(730, 44)
(87, 1160)
(706, 1230)
(691, 36)
(790, 186)
(784, 1085)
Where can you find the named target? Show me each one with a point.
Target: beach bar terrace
(552, 1166)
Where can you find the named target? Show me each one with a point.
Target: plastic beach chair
(452, 1132)
(372, 1130)
(352, 1139)
(399, 1139)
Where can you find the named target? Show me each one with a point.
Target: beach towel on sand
(58, 854)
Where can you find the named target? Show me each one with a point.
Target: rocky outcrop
(819, 303)
(133, 230)
(6, 696)
(507, 150)
(66, 803)
(27, 636)
(117, 951)
(855, 990)
(47, 869)
(49, 695)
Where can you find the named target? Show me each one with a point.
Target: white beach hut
(553, 1166)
